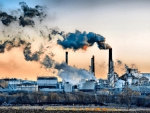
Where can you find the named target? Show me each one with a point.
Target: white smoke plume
(73, 74)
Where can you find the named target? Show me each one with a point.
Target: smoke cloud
(26, 16)
(29, 13)
(29, 56)
(79, 40)
(7, 19)
(47, 62)
(73, 75)
(8, 44)
(17, 42)
(75, 41)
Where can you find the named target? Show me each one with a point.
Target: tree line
(127, 97)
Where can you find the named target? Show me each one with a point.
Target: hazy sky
(124, 23)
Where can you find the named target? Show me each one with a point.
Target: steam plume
(73, 74)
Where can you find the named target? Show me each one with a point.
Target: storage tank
(89, 85)
(67, 87)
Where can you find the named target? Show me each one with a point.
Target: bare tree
(37, 96)
(53, 97)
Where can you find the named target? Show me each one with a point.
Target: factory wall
(27, 87)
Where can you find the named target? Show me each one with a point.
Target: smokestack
(67, 57)
(110, 59)
(93, 65)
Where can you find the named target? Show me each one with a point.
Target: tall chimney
(110, 59)
(93, 65)
(67, 57)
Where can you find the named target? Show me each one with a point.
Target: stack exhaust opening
(67, 57)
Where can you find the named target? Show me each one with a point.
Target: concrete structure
(93, 65)
(111, 77)
(49, 83)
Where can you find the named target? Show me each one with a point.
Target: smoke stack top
(79, 40)
(110, 54)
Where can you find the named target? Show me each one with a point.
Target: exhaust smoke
(73, 75)
(79, 40)
(75, 41)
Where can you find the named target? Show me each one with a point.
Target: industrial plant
(132, 79)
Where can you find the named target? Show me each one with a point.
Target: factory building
(27, 86)
(142, 90)
(103, 83)
(143, 80)
(4, 83)
(48, 83)
(147, 75)
(133, 77)
(13, 82)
